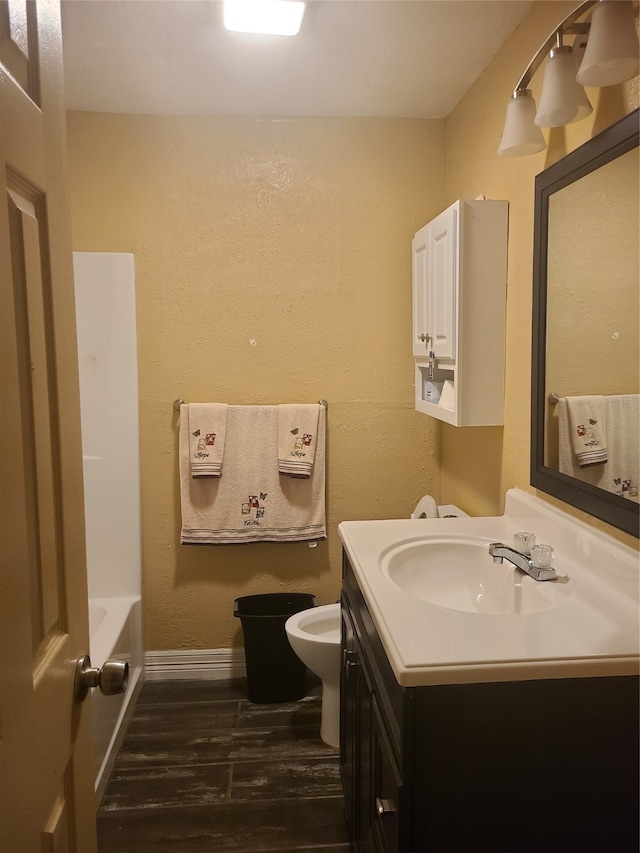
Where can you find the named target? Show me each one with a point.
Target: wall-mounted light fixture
(264, 17)
(610, 57)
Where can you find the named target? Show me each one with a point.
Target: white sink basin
(458, 573)
(447, 614)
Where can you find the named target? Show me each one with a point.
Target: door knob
(111, 678)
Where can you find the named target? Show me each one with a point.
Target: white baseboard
(194, 664)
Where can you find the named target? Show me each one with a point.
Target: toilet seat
(322, 623)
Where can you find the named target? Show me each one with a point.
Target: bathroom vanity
(488, 722)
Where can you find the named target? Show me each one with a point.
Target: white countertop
(594, 633)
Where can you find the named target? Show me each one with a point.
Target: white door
(46, 760)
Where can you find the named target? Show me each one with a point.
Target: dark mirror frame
(611, 143)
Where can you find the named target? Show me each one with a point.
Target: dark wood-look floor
(202, 769)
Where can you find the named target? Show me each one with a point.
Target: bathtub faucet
(499, 551)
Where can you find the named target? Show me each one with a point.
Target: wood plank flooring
(202, 769)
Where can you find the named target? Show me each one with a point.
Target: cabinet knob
(349, 658)
(384, 807)
(425, 338)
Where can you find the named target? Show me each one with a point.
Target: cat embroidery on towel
(253, 503)
(587, 433)
(624, 488)
(208, 441)
(301, 442)
(201, 453)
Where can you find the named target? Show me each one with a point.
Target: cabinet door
(434, 273)
(420, 290)
(386, 789)
(442, 282)
(355, 739)
(349, 721)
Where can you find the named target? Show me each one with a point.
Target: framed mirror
(585, 406)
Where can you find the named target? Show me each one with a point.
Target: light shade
(520, 135)
(562, 99)
(584, 104)
(265, 17)
(611, 55)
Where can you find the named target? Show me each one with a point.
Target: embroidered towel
(566, 460)
(206, 427)
(252, 502)
(620, 474)
(623, 429)
(297, 434)
(588, 428)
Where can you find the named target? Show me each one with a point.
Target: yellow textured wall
(479, 465)
(592, 283)
(296, 234)
(293, 234)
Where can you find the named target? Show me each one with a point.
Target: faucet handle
(542, 556)
(524, 542)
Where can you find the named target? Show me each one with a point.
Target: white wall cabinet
(459, 272)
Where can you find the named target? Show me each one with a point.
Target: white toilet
(315, 637)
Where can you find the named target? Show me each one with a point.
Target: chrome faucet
(499, 551)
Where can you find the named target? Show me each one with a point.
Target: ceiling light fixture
(562, 99)
(610, 57)
(521, 135)
(264, 17)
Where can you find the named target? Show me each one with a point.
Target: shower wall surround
(107, 362)
(108, 367)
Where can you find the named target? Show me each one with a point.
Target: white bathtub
(115, 626)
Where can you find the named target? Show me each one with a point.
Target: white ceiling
(412, 58)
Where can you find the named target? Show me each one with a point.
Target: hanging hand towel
(252, 502)
(623, 428)
(297, 434)
(206, 425)
(588, 427)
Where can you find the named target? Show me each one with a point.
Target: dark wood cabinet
(525, 766)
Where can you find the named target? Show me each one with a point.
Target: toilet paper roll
(425, 508)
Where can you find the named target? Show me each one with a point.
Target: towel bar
(177, 403)
(552, 399)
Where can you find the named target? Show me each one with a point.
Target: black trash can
(274, 672)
